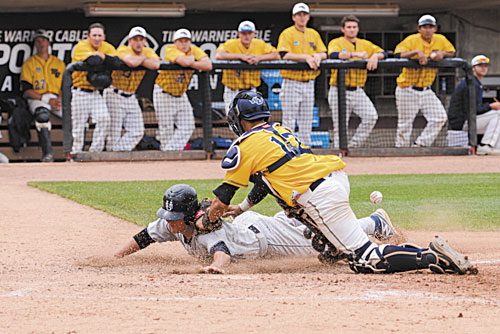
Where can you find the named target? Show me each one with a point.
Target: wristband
(45, 98)
(245, 205)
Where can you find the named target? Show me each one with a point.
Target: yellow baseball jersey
(128, 81)
(295, 41)
(354, 77)
(241, 79)
(261, 147)
(176, 82)
(421, 77)
(44, 76)
(82, 51)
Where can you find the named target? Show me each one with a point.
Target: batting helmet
(249, 106)
(179, 202)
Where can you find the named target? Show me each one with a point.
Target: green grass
(431, 201)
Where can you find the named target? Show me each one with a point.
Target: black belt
(351, 88)
(86, 90)
(171, 94)
(117, 91)
(420, 89)
(316, 183)
(253, 229)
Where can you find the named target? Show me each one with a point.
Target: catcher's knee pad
(42, 117)
(389, 258)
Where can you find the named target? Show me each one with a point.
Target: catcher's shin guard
(450, 261)
(389, 258)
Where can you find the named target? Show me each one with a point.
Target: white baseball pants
(408, 103)
(328, 205)
(297, 102)
(358, 102)
(170, 111)
(125, 113)
(488, 124)
(83, 105)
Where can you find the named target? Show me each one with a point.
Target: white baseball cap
(137, 31)
(182, 33)
(246, 26)
(300, 7)
(427, 19)
(41, 33)
(480, 59)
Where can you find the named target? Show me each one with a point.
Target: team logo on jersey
(257, 100)
(38, 69)
(55, 72)
(312, 45)
(296, 43)
(344, 50)
(169, 205)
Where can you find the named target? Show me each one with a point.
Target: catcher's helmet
(249, 106)
(179, 202)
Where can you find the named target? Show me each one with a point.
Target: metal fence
(209, 93)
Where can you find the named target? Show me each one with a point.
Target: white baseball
(376, 197)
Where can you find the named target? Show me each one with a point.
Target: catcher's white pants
(408, 103)
(83, 105)
(358, 102)
(170, 111)
(229, 95)
(328, 205)
(297, 103)
(125, 113)
(488, 124)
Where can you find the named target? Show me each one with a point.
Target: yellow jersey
(82, 51)
(44, 76)
(354, 77)
(308, 42)
(176, 82)
(421, 77)
(128, 81)
(262, 146)
(244, 79)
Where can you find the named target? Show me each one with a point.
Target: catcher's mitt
(208, 226)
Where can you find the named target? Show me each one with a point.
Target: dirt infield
(47, 284)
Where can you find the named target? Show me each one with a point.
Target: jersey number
(39, 84)
(287, 147)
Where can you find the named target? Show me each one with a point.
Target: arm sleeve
(258, 192)
(334, 55)
(25, 85)
(220, 247)
(143, 239)
(225, 192)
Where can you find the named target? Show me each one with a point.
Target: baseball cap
(41, 33)
(137, 31)
(480, 59)
(427, 19)
(246, 26)
(182, 33)
(300, 7)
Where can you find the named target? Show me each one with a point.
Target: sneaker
(47, 158)
(450, 260)
(487, 150)
(383, 227)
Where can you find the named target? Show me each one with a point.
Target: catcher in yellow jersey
(120, 97)
(414, 91)
(300, 43)
(347, 47)
(248, 49)
(87, 99)
(314, 187)
(171, 103)
(41, 77)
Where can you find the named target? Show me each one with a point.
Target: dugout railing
(208, 98)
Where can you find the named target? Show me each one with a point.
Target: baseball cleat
(383, 227)
(450, 260)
